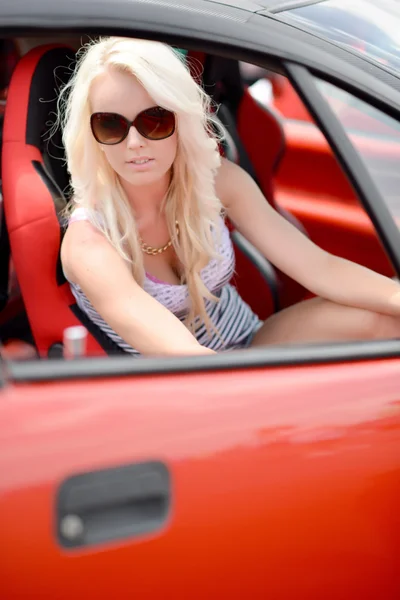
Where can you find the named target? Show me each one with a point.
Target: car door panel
(284, 483)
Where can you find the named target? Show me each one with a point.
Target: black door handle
(112, 504)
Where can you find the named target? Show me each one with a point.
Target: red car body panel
(285, 480)
(274, 493)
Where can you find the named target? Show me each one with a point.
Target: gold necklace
(153, 251)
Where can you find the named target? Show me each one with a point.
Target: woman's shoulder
(78, 213)
(228, 181)
(81, 240)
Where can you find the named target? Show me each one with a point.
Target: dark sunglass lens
(156, 123)
(109, 128)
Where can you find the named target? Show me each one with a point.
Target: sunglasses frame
(129, 124)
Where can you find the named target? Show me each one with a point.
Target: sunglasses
(154, 123)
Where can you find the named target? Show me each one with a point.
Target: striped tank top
(233, 319)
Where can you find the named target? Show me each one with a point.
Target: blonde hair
(191, 198)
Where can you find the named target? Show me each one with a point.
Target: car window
(375, 135)
(366, 26)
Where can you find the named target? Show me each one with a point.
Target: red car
(270, 473)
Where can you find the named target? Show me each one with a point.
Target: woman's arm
(324, 274)
(105, 278)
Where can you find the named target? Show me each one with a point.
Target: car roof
(227, 27)
(271, 6)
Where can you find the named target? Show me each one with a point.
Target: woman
(147, 252)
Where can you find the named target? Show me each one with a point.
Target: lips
(143, 160)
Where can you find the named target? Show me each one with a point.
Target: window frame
(306, 355)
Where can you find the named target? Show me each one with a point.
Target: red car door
(269, 482)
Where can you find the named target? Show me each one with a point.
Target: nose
(134, 139)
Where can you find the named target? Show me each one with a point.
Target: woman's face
(121, 93)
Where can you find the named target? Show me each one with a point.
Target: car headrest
(222, 81)
(32, 105)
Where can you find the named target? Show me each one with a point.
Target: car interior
(285, 153)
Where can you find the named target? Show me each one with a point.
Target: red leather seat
(34, 179)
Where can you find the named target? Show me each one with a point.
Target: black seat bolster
(266, 269)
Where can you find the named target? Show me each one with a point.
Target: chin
(144, 177)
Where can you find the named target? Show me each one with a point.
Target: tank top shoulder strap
(79, 214)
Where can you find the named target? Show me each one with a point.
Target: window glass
(366, 26)
(375, 135)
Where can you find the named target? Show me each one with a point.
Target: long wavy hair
(191, 199)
